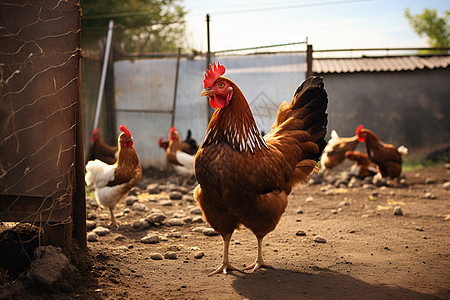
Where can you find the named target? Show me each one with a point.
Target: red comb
(212, 74)
(358, 129)
(124, 129)
(172, 130)
(95, 131)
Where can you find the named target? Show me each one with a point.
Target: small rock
(130, 200)
(319, 239)
(90, 225)
(429, 195)
(299, 211)
(92, 237)
(120, 238)
(153, 188)
(188, 198)
(209, 232)
(368, 186)
(170, 255)
(419, 228)
(354, 182)
(430, 181)
(329, 192)
(196, 211)
(174, 248)
(139, 207)
(198, 229)
(300, 233)
(187, 220)
(309, 199)
(155, 217)
(101, 231)
(199, 254)
(150, 239)
(334, 212)
(446, 185)
(175, 222)
(175, 195)
(156, 256)
(166, 202)
(344, 203)
(174, 234)
(398, 211)
(198, 219)
(141, 224)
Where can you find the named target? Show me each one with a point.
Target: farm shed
(405, 100)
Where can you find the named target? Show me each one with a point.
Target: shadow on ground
(324, 284)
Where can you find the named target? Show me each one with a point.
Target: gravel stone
(139, 207)
(209, 232)
(156, 256)
(170, 255)
(198, 220)
(90, 225)
(130, 200)
(309, 199)
(446, 185)
(199, 254)
(188, 198)
(92, 237)
(429, 195)
(153, 188)
(398, 211)
(300, 233)
(150, 239)
(166, 202)
(196, 211)
(175, 222)
(319, 239)
(175, 195)
(155, 217)
(101, 231)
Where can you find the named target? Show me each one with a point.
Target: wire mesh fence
(39, 96)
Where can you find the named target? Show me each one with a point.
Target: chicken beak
(207, 92)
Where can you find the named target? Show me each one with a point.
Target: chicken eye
(221, 85)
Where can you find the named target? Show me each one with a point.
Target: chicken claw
(224, 267)
(259, 262)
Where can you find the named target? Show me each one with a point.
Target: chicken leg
(113, 219)
(225, 266)
(259, 262)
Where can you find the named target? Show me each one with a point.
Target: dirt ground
(368, 251)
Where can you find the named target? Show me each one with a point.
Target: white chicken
(112, 183)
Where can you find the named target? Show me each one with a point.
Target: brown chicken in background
(245, 179)
(112, 183)
(101, 150)
(189, 145)
(363, 166)
(334, 152)
(386, 156)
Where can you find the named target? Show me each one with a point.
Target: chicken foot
(259, 262)
(113, 219)
(225, 266)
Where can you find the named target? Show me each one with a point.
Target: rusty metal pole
(209, 109)
(309, 61)
(175, 88)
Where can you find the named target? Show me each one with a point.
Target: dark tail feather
(310, 104)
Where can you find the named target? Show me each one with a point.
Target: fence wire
(39, 57)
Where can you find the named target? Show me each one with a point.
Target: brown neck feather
(127, 156)
(235, 125)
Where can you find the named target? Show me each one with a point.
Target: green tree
(139, 25)
(429, 24)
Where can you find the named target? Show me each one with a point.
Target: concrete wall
(144, 92)
(402, 108)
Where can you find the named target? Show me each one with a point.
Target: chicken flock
(244, 178)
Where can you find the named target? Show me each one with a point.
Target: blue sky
(328, 24)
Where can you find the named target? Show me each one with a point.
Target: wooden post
(309, 61)
(79, 193)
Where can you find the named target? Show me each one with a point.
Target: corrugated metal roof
(379, 64)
